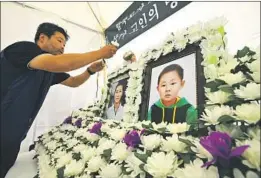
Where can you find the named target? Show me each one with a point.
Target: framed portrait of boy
(114, 106)
(173, 87)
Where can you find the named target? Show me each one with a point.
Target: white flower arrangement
(137, 149)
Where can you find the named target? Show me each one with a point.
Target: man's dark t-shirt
(23, 91)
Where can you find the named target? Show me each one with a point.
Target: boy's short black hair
(49, 29)
(172, 67)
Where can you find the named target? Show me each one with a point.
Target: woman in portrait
(116, 110)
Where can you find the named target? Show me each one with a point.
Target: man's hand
(108, 51)
(96, 66)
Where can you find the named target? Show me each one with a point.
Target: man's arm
(69, 62)
(80, 79)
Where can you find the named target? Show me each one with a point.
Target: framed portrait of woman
(116, 97)
(173, 87)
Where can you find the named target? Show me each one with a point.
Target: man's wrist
(90, 72)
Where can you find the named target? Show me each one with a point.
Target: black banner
(139, 17)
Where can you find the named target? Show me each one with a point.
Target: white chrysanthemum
(250, 174)
(127, 117)
(133, 165)
(74, 168)
(64, 160)
(168, 48)
(58, 135)
(195, 32)
(51, 145)
(248, 112)
(45, 171)
(215, 40)
(88, 153)
(138, 99)
(68, 127)
(254, 66)
(96, 163)
(252, 153)
(108, 144)
(210, 72)
(159, 126)
(117, 134)
(80, 148)
(256, 76)
(195, 170)
(200, 151)
(105, 128)
(254, 133)
(211, 115)
(180, 40)
(250, 91)
(72, 142)
(218, 97)
(216, 22)
(232, 79)
(178, 127)
(173, 144)
(211, 56)
(227, 66)
(91, 137)
(133, 83)
(151, 142)
(59, 153)
(110, 171)
(161, 164)
(120, 152)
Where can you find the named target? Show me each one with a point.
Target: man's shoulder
(22, 45)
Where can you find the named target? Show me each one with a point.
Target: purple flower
(132, 139)
(78, 123)
(142, 131)
(68, 120)
(96, 128)
(219, 145)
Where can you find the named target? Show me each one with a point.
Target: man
(27, 72)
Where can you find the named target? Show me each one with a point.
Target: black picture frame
(111, 81)
(175, 55)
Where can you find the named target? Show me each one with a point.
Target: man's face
(54, 45)
(169, 86)
(118, 94)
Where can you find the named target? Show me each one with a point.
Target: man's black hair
(172, 67)
(49, 29)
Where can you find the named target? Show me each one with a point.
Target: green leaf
(76, 156)
(124, 170)
(251, 53)
(226, 118)
(60, 172)
(162, 130)
(242, 52)
(185, 157)
(36, 176)
(142, 157)
(142, 167)
(213, 85)
(189, 143)
(147, 126)
(226, 88)
(107, 153)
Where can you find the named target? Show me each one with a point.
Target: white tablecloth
(24, 167)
